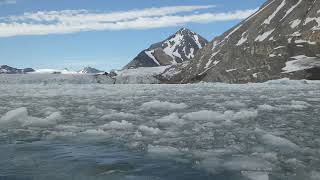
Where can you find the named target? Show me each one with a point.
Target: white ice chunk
(117, 125)
(256, 175)
(96, 132)
(235, 104)
(20, 117)
(246, 163)
(162, 105)
(172, 119)
(275, 141)
(149, 130)
(236, 163)
(119, 115)
(14, 116)
(163, 150)
(266, 107)
(206, 115)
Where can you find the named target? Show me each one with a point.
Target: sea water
(65, 129)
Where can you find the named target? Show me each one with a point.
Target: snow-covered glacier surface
(267, 131)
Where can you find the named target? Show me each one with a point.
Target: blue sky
(104, 34)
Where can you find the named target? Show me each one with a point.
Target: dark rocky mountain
(282, 39)
(180, 47)
(4, 69)
(90, 70)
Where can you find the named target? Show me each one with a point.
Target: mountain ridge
(89, 70)
(260, 48)
(5, 69)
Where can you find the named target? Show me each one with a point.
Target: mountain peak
(184, 30)
(179, 47)
(89, 70)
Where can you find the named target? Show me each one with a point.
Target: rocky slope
(4, 69)
(89, 70)
(282, 39)
(180, 47)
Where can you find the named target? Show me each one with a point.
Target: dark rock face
(261, 48)
(178, 48)
(4, 69)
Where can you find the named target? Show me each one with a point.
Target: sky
(104, 34)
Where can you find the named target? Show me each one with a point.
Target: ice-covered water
(68, 130)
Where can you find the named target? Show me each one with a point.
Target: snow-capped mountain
(180, 47)
(4, 69)
(89, 70)
(281, 39)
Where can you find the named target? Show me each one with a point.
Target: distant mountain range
(178, 48)
(4, 69)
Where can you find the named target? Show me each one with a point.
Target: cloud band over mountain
(72, 21)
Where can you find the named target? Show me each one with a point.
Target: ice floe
(162, 105)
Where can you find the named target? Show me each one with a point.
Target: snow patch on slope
(291, 9)
(269, 19)
(295, 23)
(149, 53)
(301, 62)
(172, 44)
(264, 36)
(242, 40)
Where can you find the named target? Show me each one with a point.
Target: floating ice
(275, 141)
(163, 150)
(19, 117)
(256, 175)
(245, 163)
(206, 115)
(266, 107)
(117, 125)
(172, 119)
(149, 130)
(235, 104)
(14, 117)
(297, 105)
(95, 132)
(237, 163)
(119, 115)
(162, 105)
(212, 128)
(38, 122)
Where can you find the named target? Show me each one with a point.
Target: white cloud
(7, 2)
(72, 21)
